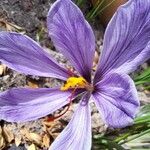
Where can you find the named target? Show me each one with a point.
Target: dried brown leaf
(31, 136)
(32, 147)
(24, 131)
(7, 133)
(96, 57)
(46, 141)
(2, 141)
(10, 26)
(95, 62)
(54, 135)
(52, 128)
(34, 137)
(18, 140)
(2, 69)
(15, 26)
(2, 24)
(25, 134)
(32, 84)
(6, 25)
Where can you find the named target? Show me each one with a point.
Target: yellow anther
(74, 82)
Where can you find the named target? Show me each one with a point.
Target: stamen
(74, 82)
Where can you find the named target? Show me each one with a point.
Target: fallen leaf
(32, 84)
(7, 133)
(96, 57)
(31, 136)
(95, 62)
(2, 141)
(10, 26)
(52, 128)
(18, 140)
(2, 24)
(46, 141)
(54, 135)
(2, 69)
(32, 147)
(15, 26)
(24, 132)
(34, 137)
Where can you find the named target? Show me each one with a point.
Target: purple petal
(72, 35)
(20, 105)
(23, 54)
(126, 41)
(116, 98)
(77, 134)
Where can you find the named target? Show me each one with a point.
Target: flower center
(74, 83)
(77, 83)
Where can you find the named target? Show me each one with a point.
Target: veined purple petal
(77, 134)
(72, 35)
(127, 39)
(23, 54)
(20, 105)
(116, 98)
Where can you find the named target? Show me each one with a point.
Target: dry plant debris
(2, 69)
(32, 147)
(7, 133)
(2, 141)
(10, 26)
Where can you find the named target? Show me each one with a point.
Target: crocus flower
(126, 46)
